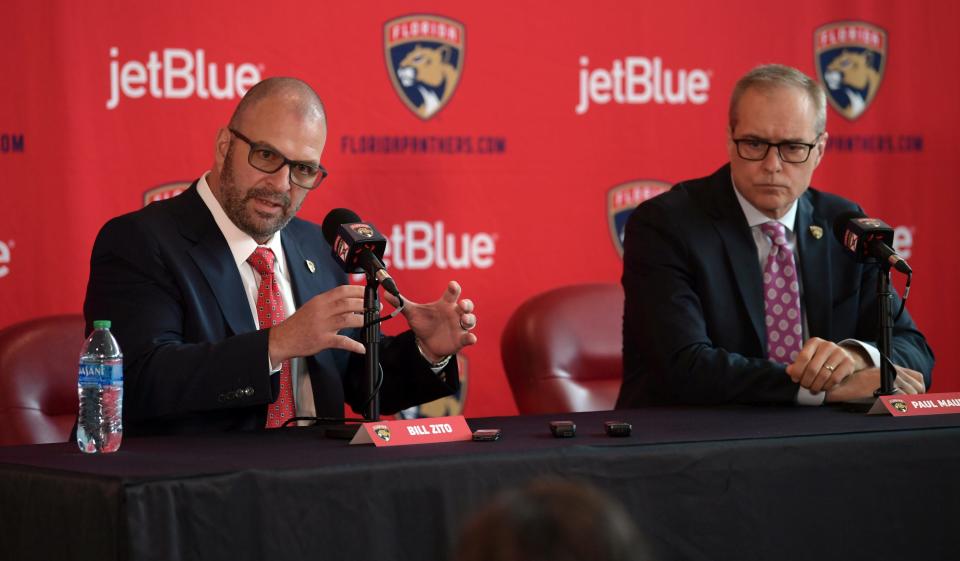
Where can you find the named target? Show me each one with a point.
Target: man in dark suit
(187, 281)
(736, 290)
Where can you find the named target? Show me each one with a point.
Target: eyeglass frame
(769, 144)
(286, 161)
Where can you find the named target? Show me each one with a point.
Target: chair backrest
(38, 379)
(562, 349)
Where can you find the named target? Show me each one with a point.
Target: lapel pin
(817, 232)
(313, 268)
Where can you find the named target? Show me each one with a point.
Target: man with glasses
(737, 291)
(232, 313)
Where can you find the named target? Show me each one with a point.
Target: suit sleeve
(168, 372)
(669, 354)
(408, 379)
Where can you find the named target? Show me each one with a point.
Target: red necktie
(270, 312)
(781, 292)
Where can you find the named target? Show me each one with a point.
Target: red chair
(562, 350)
(38, 379)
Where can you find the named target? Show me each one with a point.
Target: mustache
(281, 199)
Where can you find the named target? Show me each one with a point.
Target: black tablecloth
(701, 483)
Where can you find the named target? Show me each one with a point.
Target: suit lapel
(814, 257)
(212, 256)
(741, 249)
(307, 275)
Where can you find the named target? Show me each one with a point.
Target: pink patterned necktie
(781, 295)
(270, 312)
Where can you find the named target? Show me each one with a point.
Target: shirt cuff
(270, 364)
(872, 352)
(806, 397)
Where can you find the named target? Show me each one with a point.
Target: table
(701, 483)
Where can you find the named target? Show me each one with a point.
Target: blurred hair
(551, 520)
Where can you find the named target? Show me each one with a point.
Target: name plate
(414, 431)
(914, 405)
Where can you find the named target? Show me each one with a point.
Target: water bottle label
(101, 374)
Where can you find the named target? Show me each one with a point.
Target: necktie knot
(262, 260)
(776, 232)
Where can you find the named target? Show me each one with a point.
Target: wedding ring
(830, 367)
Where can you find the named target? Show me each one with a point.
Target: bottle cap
(101, 324)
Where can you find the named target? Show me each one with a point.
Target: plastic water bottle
(100, 386)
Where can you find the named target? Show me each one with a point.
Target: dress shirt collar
(240, 242)
(756, 218)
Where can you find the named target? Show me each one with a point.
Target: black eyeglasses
(266, 159)
(792, 152)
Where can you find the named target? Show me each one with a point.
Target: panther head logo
(850, 58)
(424, 56)
(430, 71)
(854, 72)
(383, 432)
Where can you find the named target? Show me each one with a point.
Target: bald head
(280, 117)
(294, 95)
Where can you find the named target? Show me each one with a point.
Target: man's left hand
(822, 364)
(442, 327)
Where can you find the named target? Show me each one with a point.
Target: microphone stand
(371, 341)
(884, 298)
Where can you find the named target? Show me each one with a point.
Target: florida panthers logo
(165, 191)
(382, 431)
(622, 199)
(850, 58)
(424, 56)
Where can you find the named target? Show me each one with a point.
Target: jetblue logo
(178, 74)
(640, 80)
(11, 142)
(5, 258)
(419, 245)
(903, 241)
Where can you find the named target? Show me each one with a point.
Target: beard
(235, 204)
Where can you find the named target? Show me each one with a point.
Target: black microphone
(868, 239)
(358, 246)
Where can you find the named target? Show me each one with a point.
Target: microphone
(868, 239)
(357, 246)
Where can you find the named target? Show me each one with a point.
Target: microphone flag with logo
(868, 239)
(357, 246)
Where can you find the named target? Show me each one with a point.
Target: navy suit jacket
(693, 324)
(194, 360)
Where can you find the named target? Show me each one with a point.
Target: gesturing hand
(442, 327)
(316, 324)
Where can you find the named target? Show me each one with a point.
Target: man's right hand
(862, 384)
(315, 326)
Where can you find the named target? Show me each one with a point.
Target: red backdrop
(102, 102)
